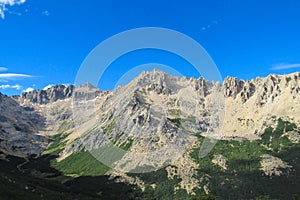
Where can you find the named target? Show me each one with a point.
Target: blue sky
(44, 42)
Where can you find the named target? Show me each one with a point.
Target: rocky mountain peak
(231, 86)
(52, 94)
(265, 88)
(153, 81)
(58, 92)
(154, 76)
(152, 120)
(87, 86)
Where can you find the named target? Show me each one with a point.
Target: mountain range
(190, 131)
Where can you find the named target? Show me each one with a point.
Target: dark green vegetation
(164, 188)
(81, 176)
(176, 121)
(80, 164)
(273, 138)
(37, 180)
(179, 122)
(175, 112)
(243, 179)
(109, 127)
(58, 141)
(127, 144)
(57, 144)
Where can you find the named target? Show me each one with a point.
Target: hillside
(150, 134)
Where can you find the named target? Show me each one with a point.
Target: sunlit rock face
(155, 111)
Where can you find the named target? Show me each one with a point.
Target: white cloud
(30, 89)
(7, 86)
(285, 66)
(48, 86)
(5, 3)
(211, 25)
(2, 69)
(14, 76)
(46, 13)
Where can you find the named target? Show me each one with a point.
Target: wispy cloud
(9, 76)
(284, 66)
(2, 69)
(30, 89)
(8, 80)
(212, 23)
(7, 86)
(46, 13)
(5, 3)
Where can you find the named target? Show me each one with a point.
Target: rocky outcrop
(270, 88)
(152, 121)
(250, 105)
(19, 129)
(293, 136)
(220, 160)
(232, 86)
(273, 166)
(166, 107)
(185, 170)
(201, 86)
(59, 92)
(52, 94)
(266, 89)
(156, 110)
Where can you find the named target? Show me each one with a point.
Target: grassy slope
(81, 164)
(80, 176)
(242, 180)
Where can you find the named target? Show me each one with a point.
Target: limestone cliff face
(156, 108)
(250, 105)
(264, 88)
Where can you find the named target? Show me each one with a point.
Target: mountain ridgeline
(148, 134)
